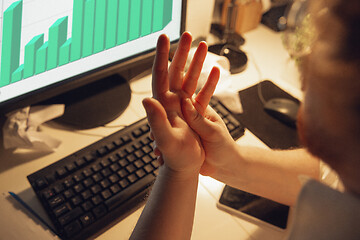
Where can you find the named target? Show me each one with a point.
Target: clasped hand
(186, 131)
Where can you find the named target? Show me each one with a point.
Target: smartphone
(254, 208)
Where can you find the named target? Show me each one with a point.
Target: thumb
(159, 124)
(202, 126)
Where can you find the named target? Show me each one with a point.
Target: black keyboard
(88, 190)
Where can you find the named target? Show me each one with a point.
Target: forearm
(169, 212)
(268, 173)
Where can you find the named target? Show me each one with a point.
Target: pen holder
(247, 14)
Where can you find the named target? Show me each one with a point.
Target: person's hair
(336, 52)
(333, 68)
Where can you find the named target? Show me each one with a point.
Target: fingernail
(147, 105)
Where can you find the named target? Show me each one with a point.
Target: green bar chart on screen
(97, 25)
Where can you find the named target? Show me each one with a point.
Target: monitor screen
(45, 43)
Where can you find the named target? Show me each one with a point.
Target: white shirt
(323, 213)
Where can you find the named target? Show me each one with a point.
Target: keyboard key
(41, 183)
(70, 167)
(138, 153)
(78, 188)
(88, 182)
(76, 200)
(99, 211)
(87, 219)
(87, 172)
(149, 168)
(89, 157)
(72, 228)
(110, 146)
(97, 177)
(131, 168)
(106, 172)
(147, 149)
(155, 163)
(78, 177)
(129, 149)
(105, 163)
(87, 206)
(61, 210)
(113, 158)
(123, 162)
(122, 153)
(115, 188)
(114, 178)
(80, 162)
(137, 145)
(126, 138)
(102, 151)
(140, 173)
(97, 167)
(105, 183)
(147, 159)
(51, 177)
(145, 128)
(86, 194)
(146, 141)
(138, 163)
(61, 172)
(122, 173)
(96, 200)
(114, 167)
(68, 217)
(96, 189)
(55, 201)
(118, 142)
(137, 133)
(58, 188)
(132, 178)
(68, 193)
(69, 183)
(122, 196)
(106, 194)
(124, 183)
(47, 194)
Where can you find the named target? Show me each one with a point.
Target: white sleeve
(329, 177)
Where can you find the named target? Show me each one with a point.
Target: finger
(156, 150)
(160, 80)
(177, 66)
(202, 126)
(151, 136)
(203, 98)
(192, 75)
(160, 160)
(159, 124)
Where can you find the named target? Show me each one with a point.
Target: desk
(262, 46)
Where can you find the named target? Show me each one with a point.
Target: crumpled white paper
(224, 92)
(21, 129)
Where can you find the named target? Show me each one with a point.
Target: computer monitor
(52, 47)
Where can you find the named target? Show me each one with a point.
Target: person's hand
(177, 144)
(220, 148)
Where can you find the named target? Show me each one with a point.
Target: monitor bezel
(85, 78)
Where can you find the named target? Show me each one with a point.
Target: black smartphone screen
(261, 208)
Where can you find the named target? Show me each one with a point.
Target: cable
(114, 126)
(259, 88)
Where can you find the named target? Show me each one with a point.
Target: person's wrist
(178, 175)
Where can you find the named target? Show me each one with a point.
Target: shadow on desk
(10, 158)
(18, 223)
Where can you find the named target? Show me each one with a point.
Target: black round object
(237, 58)
(94, 104)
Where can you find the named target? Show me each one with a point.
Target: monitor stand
(95, 104)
